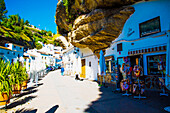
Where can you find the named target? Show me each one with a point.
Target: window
(33, 58)
(107, 67)
(8, 52)
(13, 53)
(14, 46)
(150, 27)
(18, 55)
(20, 48)
(89, 64)
(154, 63)
(119, 47)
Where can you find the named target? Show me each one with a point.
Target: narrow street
(61, 94)
(64, 94)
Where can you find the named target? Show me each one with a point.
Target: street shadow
(19, 102)
(114, 102)
(26, 93)
(30, 88)
(26, 111)
(33, 87)
(53, 109)
(39, 84)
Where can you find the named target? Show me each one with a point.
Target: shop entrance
(136, 60)
(83, 68)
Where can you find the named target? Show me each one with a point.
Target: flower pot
(4, 99)
(16, 89)
(24, 85)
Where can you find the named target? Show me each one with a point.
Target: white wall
(143, 11)
(9, 53)
(91, 72)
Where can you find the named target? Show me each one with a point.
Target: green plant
(66, 4)
(5, 82)
(24, 75)
(3, 10)
(16, 73)
(38, 45)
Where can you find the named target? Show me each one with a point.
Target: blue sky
(38, 12)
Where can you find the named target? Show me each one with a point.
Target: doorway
(83, 68)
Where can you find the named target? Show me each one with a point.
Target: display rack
(139, 86)
(126, 94)
(163, 87)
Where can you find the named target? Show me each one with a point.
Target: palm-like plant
(18, 75)
(24, 75)
(16, 70)
(5, 82)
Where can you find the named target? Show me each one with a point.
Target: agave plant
(5, 82)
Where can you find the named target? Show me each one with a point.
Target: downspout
(167, 75)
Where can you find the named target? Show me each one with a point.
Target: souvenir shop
(153, 61)
(111, 68)
(131, 70)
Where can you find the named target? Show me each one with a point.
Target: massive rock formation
(92, 23)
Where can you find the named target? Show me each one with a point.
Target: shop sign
(130, 32)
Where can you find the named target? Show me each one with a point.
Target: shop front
(155, 69)
(153, 61)
(111, 76)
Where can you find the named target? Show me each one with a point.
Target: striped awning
(147, 50)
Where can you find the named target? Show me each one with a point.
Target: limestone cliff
(92, 23)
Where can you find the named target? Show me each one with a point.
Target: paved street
(57, 93)
(63, 94)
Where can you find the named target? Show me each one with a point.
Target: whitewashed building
(70, 60)
(11, 52)
(143, 40)
(58, 54)
(80, 61)
(89, 64)
(51, 54)
(34, 61)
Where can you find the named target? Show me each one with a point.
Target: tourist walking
(62, 71)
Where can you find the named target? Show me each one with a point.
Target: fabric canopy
(102, 63)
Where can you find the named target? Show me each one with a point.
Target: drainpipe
(167, 75)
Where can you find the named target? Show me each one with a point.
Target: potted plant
(5, 83)
(16, 78)
(24, 77)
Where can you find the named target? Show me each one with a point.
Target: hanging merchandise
(125, 59)
(125, 85)
(137, 71)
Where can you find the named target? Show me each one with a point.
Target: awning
(147, 50)
(111, 57)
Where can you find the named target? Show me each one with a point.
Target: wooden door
(83, 68)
